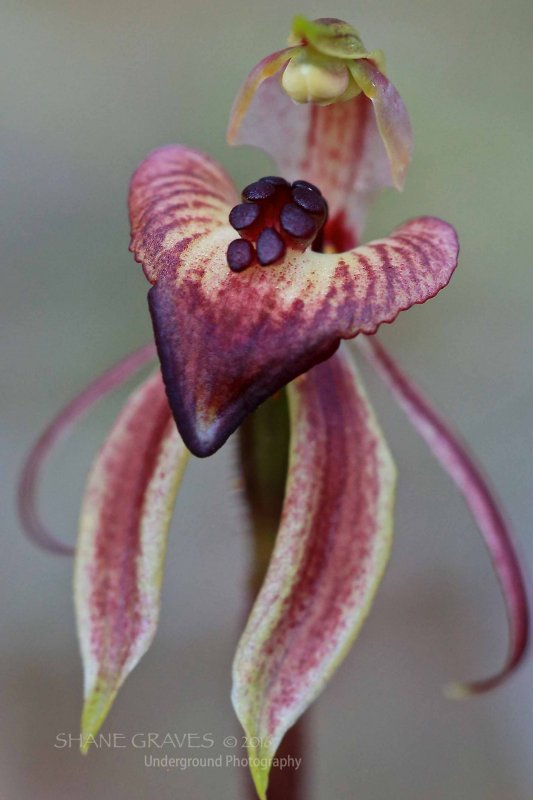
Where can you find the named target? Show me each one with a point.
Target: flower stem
(264, 450)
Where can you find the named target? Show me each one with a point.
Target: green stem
(264, 452)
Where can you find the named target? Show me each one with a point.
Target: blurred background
(87, 89)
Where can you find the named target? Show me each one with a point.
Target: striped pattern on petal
(371, 284)
(228, 341)
(178, 197)
(329, 557)
(121, 546)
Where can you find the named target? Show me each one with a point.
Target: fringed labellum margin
(219, 363)
(328, 559)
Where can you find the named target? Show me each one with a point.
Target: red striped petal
(228, 341)
(350, 150)
(461, 467)
(121, 547)
(179, 198)
(329, 557)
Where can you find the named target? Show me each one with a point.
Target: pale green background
(87, 89)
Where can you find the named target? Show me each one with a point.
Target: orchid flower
(249, 295)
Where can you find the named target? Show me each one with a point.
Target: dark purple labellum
(240, 254)
(270, 247)
(244, 215)
(296, 222)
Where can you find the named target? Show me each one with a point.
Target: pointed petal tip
(464, 691)
(399, 177)
(260, 779)
(96, 707)
(260, 772)
(457, 691)
(260, 753)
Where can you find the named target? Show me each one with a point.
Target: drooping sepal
(455, 459)
(60, 426)
(328, 559)
(121, 546)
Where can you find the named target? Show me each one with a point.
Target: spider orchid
(236, 319)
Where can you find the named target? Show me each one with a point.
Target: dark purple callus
(310, 201)
(306, 185)
(240, 255)
(296, 222)
(275, 180)
(274, 215)
(270, 247)
(258, 191)
(244, 215)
